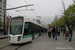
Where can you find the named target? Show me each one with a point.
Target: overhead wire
(30, 7)
(9, 5)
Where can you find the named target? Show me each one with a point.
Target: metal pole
(4, 24)
(4, 18)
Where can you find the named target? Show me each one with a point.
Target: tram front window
(16, 26)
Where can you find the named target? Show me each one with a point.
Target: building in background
(2, 10)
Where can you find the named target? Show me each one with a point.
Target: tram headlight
(19, 38)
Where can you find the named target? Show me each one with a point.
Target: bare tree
(64, 14)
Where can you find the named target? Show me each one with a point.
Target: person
(61, 30)
(64, 32)
(70, 31)
(46, 31)
(58, 31)
(49, 33)
(67, 34)
(42, 32)
(53, 30)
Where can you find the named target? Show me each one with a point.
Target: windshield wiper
(12, 33)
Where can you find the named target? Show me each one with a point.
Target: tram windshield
(16, 25)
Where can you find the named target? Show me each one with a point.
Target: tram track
(14, 46)
(9, 46)
(3, 40)
(22, 45)
(4, 46)
(18, 47)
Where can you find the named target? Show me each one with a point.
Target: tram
(23, 29)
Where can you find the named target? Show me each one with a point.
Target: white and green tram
(23, 29)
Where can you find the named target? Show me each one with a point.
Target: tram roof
(32, 21)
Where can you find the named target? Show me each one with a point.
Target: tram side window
(32, 28)
(36, 29)
(27, 28)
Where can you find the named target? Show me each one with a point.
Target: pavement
(73, 32)
(46, 43)
(3, 36)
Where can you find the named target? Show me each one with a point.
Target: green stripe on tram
(29, 36)
(36, 33)
(23, 37)
(26, 36)
(34, 23)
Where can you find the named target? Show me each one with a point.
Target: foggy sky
(44, 8)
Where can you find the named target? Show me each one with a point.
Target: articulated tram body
(23, 29)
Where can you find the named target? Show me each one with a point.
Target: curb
(3, 37)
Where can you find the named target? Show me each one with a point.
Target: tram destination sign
(16, 20)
